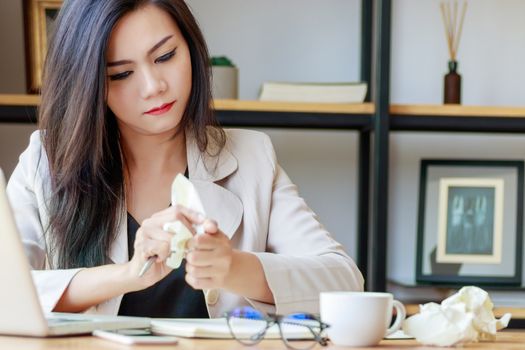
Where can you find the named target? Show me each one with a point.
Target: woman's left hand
(209, 258)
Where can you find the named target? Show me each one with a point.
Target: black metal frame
(18, 114)
(458, 280)
(489, 124)
(378, 238)
(366, 44)
(296, 120)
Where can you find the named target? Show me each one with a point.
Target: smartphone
(135, 336)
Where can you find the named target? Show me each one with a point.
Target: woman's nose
(153, 84)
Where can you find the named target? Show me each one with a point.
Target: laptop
(20, 310)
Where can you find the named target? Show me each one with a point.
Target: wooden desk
(505, 340)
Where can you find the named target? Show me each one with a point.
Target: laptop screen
(21, 311)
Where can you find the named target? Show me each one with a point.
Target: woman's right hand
(151, 240)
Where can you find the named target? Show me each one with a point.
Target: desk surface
(505, 340)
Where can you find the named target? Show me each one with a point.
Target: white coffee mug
(359, 318)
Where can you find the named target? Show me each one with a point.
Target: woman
(125, 107)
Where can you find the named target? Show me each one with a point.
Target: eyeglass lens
(298, 331)
(247, 325)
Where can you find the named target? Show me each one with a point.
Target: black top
(170, 297)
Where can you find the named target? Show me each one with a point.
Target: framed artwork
(470, 222)
(39, 19)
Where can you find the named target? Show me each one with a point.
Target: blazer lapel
(204, 170)
(219, 203)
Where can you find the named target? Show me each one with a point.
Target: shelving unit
(294, 115)
(378, 117)
(436, 118)
(22, 109)
(457, 118)
(390, 118)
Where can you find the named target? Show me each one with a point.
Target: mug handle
(400, 316)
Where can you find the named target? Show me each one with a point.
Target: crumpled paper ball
(461, 318)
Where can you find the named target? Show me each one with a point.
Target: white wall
(12, 61)
(491, 52)
(13, 137)
(291, 40)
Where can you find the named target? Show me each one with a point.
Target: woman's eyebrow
(150, 51)
(159, 44)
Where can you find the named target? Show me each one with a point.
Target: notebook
(20, 310)
(217, 328)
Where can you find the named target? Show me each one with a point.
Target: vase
(452, 84)
(225, 82)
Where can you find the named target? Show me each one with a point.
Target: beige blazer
(255, 204)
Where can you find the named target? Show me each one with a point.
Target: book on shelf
(313, 92)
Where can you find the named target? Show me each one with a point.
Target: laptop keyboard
(56, 321)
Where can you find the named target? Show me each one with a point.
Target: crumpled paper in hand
(461, 318)
(183, 193)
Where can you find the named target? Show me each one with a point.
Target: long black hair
(80, 133)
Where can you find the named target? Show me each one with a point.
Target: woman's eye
(120, 76)
(165, 57)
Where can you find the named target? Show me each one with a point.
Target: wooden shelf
(237, 113)
(19, 100)
(265, 106)
(22, 108)
(457, 111)
(294, 115)
(457, 118)
(243, 113)
(360, 108)
(236, 105)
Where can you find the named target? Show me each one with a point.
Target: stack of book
(313, 92)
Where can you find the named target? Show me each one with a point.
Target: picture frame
(470, 222)
(39, 18)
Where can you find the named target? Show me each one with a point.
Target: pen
(199, 230)
(147, 265)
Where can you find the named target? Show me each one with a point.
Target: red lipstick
(161, 110)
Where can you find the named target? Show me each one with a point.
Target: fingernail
(199, 229)
(200, 217)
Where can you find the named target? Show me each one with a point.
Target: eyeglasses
(298, 331)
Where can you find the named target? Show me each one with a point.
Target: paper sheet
(462, 318)
(182, 193)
